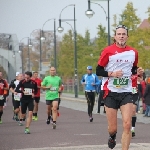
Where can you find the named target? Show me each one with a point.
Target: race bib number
(134, 90)
(1, 97)
(17, 97)
(27, 91)
(121, 82)
(53, 89)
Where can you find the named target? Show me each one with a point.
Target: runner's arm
(12, 90)
(97, 82)
(102, 62)
(60, 84)
(100, 71)
(134, 70)
(35, 88)
(83, 79)
(43, 85)
(18, 88)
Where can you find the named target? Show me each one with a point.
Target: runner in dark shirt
(28, 88)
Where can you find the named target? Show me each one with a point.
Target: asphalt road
(74, 131)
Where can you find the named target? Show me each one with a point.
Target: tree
(148, 11)
(102, 38)
(66, 56)
(87, 37)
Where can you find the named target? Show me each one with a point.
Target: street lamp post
(60, 29)
(90, 13)
(28, 54)
(21, 53)
(42, 38)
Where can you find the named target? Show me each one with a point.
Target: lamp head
(60, 29)
(89, 13)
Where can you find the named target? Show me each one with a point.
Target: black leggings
(90, 96)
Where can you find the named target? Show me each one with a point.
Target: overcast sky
(21, 17)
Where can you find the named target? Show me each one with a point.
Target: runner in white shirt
(17, 108)
(117, 63)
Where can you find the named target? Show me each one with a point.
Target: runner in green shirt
(52, 85)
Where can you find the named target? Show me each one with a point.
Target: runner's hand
(32, 95)
(49, 87)
(59, 90)
(93, 84)
(25, 93)
(15, 93)
(117, 74)
(140, 71)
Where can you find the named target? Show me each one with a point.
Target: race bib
(121, 82)
(17, 96)
(28, 91)
(53, 89)
(134, 90)
(1, 97)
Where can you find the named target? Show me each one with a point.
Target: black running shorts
(16, 104)
(49, 102)
(2, 102)
(27, 103)
(135, 98)
(116, 100)
(37, 99)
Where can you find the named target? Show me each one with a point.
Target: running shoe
(27, 131)
(35, 118)
(111, 143)
(0, 121)
(133, 133)
(20, 123)
(54, 125)
(48, 121)
(91, 119)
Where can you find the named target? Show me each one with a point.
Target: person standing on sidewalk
(117, 63)
(52, 85)
(28, 88)
(90, 81)
(3, 86)
(37, 96)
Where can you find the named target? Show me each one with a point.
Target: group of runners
(25, 91)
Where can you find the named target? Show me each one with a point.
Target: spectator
(139, 79)
(147, 98)
(143, 84)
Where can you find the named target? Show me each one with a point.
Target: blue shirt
(90, 79)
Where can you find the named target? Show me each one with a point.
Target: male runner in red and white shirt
(37, 96)
(117, 64)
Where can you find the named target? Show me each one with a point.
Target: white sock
(132, 129)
